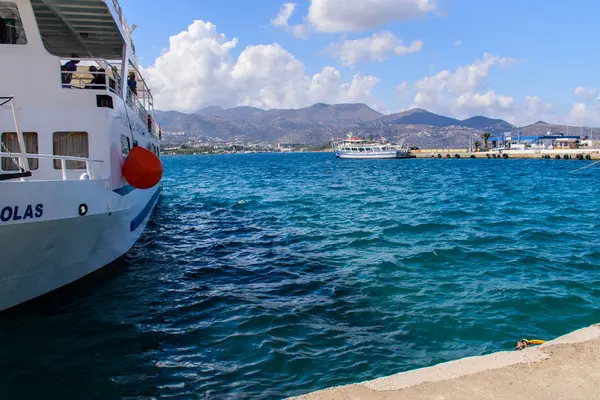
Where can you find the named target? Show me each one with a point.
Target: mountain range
(321, 123)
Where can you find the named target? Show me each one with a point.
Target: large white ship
(74, 110)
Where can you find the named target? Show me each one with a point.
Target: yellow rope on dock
(524, 343)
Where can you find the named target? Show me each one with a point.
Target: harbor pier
(565, 368)
(562, 154)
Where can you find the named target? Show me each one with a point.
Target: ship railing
(141, 103)
(22, 159)
(82, 77)
(141, 110)
(121, 18)
(91, 166)
(136, 105)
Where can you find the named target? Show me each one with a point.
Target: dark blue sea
(262, 276)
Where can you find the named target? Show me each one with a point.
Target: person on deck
(132, 83)
(67, 70)
(99, 81)
(92, 70)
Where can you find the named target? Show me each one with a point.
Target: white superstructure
(65, 208)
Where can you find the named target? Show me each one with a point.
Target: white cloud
(586, 111)
(457, 43)
(360, 15)
(373, 48)
(281, 20)
(198, 70)
(380, 107)
(579, 112)
(586, 94)
(537, 109)
(488, 103)
(468, 78)
(403, 95)
(458, 93)
(462, 93)
(299, 31)
(583, 114)
(414, 47)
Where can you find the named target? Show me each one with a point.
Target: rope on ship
(133, 143)
(22, 172)
(6, 100)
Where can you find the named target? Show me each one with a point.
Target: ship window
(11, 144)
(72, 144)
(11, 27)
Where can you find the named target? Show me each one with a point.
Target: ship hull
(372, 156)
(47, 243)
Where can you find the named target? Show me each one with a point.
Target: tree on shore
(477, 145)
(485, 138)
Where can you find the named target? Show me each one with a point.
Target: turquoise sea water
(265, 276)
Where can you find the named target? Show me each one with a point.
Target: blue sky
(538, 53)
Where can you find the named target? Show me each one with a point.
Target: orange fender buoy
(142, 168)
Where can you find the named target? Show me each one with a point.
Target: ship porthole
(83, 209)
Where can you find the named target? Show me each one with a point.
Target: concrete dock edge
(569, 364)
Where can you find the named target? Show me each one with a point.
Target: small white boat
(357, 148)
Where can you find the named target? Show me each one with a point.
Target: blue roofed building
(520, 141)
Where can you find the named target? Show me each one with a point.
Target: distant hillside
(322, 123)
(319, 113)
(210, 110)
(324, 113)
(543, 128)
(418, 116)
(489, 124)
(236, 113)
